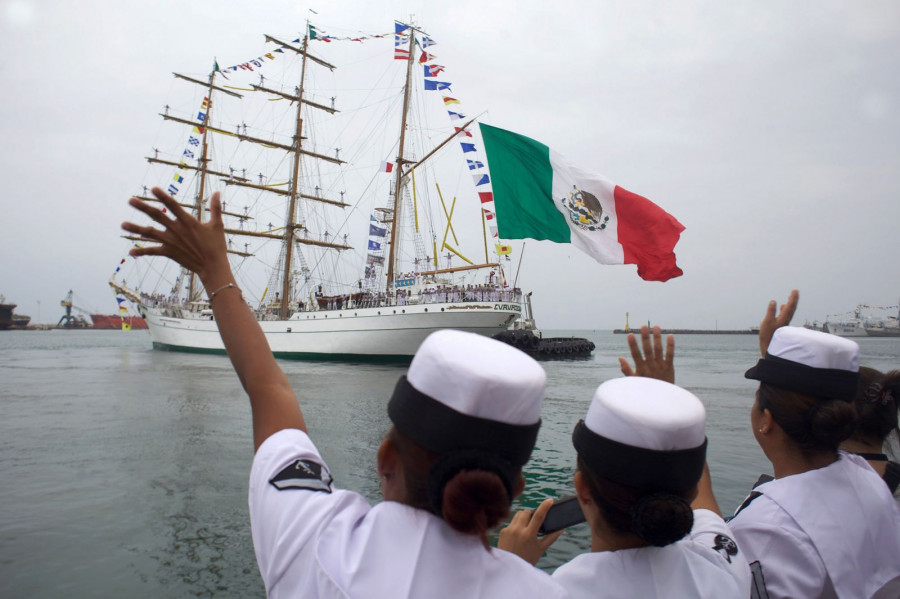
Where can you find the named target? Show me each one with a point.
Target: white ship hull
(846, 329)
(883, 331)
(379, 333)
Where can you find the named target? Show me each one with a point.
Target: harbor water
(123, 470)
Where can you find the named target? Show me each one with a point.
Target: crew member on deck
(465, 419)
(826, 526)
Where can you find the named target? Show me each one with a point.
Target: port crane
(70, 320)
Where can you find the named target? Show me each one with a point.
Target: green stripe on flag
(522, 180)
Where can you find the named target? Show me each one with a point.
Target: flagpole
(521, 255)
(484, 233)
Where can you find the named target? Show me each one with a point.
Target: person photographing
(465, 419)
(643, 485)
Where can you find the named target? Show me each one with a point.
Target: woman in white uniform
(465, 417)
(876, 409)
(826, 526)
(645, 492)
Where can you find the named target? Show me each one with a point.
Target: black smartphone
(565, 512)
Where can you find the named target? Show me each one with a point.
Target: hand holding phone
(521, 535)
(565, 512)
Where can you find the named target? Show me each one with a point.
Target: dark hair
(473, 501)
(657, 518)
(876, 404)
(814, 424)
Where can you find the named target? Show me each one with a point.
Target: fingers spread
(215, 209)
(788, 308)
(635, 350)
(154, 213)
(148, 233)
(645, 342)
(657, 343)
(170, 203)
(150, 250)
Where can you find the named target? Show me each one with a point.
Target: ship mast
(288, 236)
(290, 225)
(398, 181)
(204, 160)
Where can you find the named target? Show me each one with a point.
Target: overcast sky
(770, 129)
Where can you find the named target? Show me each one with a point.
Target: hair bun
(831, 421)
(660, 519)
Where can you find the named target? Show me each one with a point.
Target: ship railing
(404, 297)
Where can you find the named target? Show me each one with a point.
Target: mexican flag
(538, 194)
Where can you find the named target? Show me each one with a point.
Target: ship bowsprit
(546, 348)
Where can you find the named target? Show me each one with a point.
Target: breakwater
(694, 331)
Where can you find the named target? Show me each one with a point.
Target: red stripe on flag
(648, 235)
(485, 196)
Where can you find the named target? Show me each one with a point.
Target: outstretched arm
(201, 247)
(771, 322)
(653, 363)
(705, 499)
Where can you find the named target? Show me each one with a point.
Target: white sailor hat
(644, 433)
(810, 362)
(466, 391)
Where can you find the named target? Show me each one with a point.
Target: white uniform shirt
(706, 563)
(829, 532)
(315, 541)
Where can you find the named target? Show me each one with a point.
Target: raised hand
(521, 534)
(201, 247)
(652, 363)
(197, 246)
(771, 322)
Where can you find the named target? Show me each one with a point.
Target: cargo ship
(6, 314)
(114, 321)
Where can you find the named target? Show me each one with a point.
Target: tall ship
(344, 235)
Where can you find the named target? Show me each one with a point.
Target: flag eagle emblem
(585, 210)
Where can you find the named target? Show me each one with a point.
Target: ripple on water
(123, 470)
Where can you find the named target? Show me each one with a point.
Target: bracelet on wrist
(223, 288)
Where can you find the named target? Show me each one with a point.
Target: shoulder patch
(303, 474)
(725, 546)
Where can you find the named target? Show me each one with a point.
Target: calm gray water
(123, 470)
